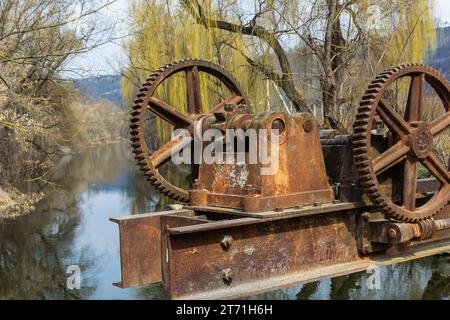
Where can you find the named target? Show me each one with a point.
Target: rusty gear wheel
(413, 142)
(150, 163)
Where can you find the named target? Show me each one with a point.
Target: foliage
(37, 38)
(313, 51)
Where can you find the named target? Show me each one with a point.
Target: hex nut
(227, 275)
(226, 242)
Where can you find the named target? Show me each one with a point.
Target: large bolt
(250, 190)
(308, 126)
(197, 185)
(226, 242)
(392, 234)
(229, 107)
(365, 216)
(279, 125)
(227, 275)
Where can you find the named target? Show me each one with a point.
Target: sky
(108, 59)
(443, 11)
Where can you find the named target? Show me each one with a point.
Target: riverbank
(15, 203)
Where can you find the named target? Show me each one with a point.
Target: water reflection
(71, 227)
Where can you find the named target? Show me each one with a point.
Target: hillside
(441, 59)
(102, 88)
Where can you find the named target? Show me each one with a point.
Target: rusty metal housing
(338, 204)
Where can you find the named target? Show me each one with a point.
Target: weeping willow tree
(334, 40)
(309, 50)
(409, 33)
(164, 32)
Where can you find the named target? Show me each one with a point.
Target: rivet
(227, 275)
(226, 242)
(365, 216)
(250, 190)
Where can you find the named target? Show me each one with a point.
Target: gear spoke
(168, 113)
(440, 124)
(194, 101)
(150, 162)
(390, 157)
(392, 119)
(409, 184)
(414, 107)
(232, 100)
(163, 154)
(437, 169)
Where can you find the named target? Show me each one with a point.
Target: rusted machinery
(337, 204)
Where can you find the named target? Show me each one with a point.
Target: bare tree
(284, 79)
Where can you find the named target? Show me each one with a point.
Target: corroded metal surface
(215, 255)
(140, 247)
(300, 177)
(413, 142)
(150, 163)
(246, 233)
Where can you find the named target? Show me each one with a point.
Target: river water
(71, 227)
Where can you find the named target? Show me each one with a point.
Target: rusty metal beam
(140, 246)
(317, 274)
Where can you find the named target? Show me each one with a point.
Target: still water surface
(71, 227)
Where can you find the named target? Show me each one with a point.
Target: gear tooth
(365, 183)
(134, 132)
(143, 163)
(359, 150)
(139, 157)
(364, 171)
(359, 143)
(136, 145)
(369, 96)
(363, 163)
(360, 157)
(361, 122)
(362, 115)
(134, 119)
(366, 103)
(377, 86)
(145, 170)
(359, 129)
(381, 81)
(364, 108)
(361, 135)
